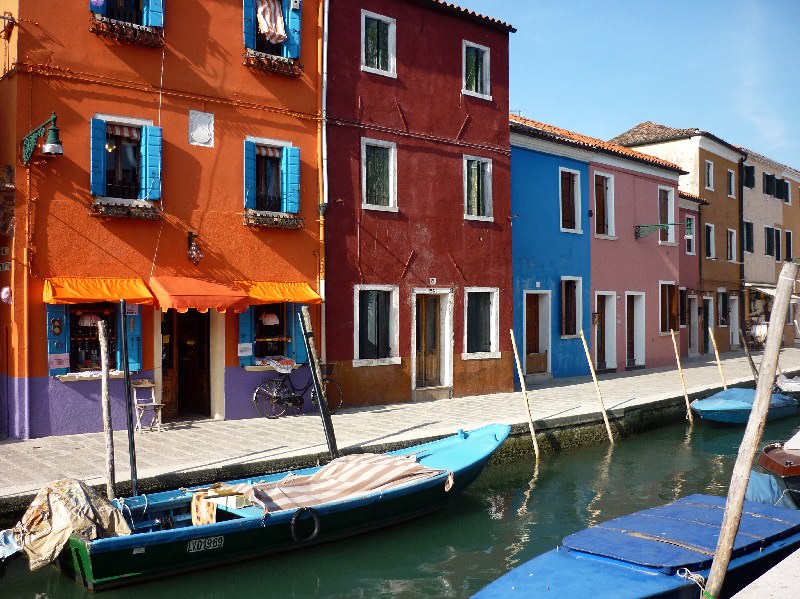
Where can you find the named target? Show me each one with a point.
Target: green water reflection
(508, 516)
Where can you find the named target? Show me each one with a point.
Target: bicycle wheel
(267, 399)
(334, 395)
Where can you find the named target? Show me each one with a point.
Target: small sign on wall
(201, 128)
(245, 349)
(58, 361)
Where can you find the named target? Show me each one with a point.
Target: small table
(146, 403)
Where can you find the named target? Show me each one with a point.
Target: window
(271, 331)
(376, 313)
(604, 205)
(769, 241)
(709, 175)
(769, 184)
(731, 184)
(665, 210)
(668, 306)
(569, 190)
(747, 237)
(789, 250)
(711, 250)
(378, 44)
(778, 237)
(722, 306)
(149, 13)
(271, 176)
(477, 188)
(682, 307)
(476, 70)
(272, 27)
(782, 190)
(571, 302)
(481, 326)
(378, 174)
(731, 247)
(691, 226)
(125, 159)
(749, 176)
(72, 339)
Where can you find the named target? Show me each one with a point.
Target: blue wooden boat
(733, 406)
(166, 539)
(655, 553)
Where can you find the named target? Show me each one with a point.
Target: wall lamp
(51, 146)
(195, 254)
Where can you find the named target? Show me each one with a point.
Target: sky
(599, 67)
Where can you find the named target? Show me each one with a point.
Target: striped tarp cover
(345, 478)
(270, 20)
(268, 151)
(123, 131)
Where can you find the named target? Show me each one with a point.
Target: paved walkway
(206, 449)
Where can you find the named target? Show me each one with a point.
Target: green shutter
(290, 180)
(150, 165)
(58, 339)
(250, 175)
(297, 351)
(291, 20)
(98, 7)
(246, 335)
(97, 171)
(153, 13)
(249, 23)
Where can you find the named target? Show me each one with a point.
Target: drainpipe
(323, 176)
(740, 187)
(26, 268)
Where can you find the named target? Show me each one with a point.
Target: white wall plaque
(201, 128)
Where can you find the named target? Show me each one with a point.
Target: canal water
(509, 515)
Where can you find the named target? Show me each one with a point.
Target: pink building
(636, 243)
(689, 282)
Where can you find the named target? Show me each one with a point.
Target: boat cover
(737, 398)
(765, 488)
(788, 385)
(60, 509)
(793, 443)
(344, 478)
(683, 534)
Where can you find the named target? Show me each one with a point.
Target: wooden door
(428, 354)
(630, 326)
(601, 332)
(169, 396)
(535, 354)
(194, 390)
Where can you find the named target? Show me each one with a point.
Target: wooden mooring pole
(105, 400)
(753, 368)
(753, 432)
(683, 382)
(525, 395)
(716, 353)
(597, 388)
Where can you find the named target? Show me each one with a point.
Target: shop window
(270, 331)
(272, 27)
(271, 177)
(125, 160)
(149, 13)
(72, 339)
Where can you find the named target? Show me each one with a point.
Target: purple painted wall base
(240, 384)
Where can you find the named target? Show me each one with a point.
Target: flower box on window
(135, 21)
(276, 220)
(272, 63)
(103, 209)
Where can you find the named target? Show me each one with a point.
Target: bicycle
(274, 396)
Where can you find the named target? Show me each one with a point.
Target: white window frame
(487, 184)
(126, 121)
(731, 247)
(495, 318)
(487, 77)
(670, 215)
(709, 175)
(766, 237)
(712, 254)
(691, 236)
(368, 141)
(612, 231)
(392, 72)
(661, 306)
(578, 230)
(578, 306)
(731, 183)
(394, 328)
(744, 241)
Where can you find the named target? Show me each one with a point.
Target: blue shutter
(298, 348)
(291, 20)
(133, 329)
(153, 13)
(97, 172)
(249, 20)
(250, 175)
(246, 335)
(290, 180)
(58, 344)
(98, 7)
(150, 167)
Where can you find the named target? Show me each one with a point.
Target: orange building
(189, 186)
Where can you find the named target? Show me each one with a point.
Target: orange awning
(85, 290)
(183, 293)
(267, 292)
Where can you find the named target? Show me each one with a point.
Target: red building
(418, 223)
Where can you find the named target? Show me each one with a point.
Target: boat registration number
(205, 544)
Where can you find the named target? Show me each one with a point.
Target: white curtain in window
(270, 20)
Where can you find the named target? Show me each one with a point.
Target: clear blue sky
(599, 67)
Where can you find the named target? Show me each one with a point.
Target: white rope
(687, 574)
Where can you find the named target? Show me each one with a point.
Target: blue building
(550, 250)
